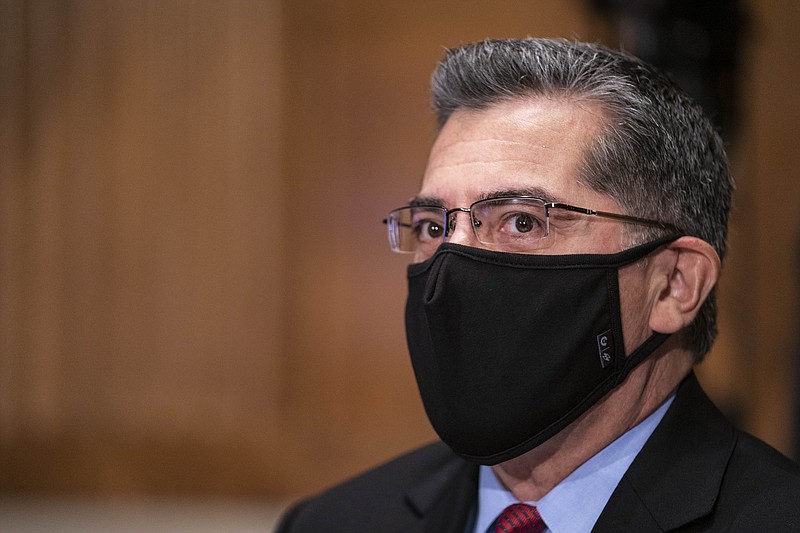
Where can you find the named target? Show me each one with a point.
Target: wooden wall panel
(773, 195)
(142, 257)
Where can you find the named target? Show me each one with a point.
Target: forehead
(531, 144)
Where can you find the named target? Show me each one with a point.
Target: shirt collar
(575, 504)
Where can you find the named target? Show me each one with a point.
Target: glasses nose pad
(466, 235)
(451, 224)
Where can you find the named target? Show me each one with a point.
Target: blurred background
(200, 319)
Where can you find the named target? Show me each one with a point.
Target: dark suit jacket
(695, 473)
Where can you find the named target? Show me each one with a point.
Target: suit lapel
(445, 499)
(676, 477)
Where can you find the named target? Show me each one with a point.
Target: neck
(532, 475)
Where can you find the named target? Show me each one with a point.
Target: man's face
(532, 147)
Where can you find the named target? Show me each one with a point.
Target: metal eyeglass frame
(449, 223)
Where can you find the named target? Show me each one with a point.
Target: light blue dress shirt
(575, 504)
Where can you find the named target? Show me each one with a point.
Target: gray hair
(657, 155)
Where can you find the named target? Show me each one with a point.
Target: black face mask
(509, 349)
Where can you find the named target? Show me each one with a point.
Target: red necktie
(519, 518)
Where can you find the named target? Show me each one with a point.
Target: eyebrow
(538, 192)
(426, 201)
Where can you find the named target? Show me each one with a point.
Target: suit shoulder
(761, 467)
(380, 491)
(760, 490)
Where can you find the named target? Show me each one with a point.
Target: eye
(520, 222)
(428, 230)
(524, 223)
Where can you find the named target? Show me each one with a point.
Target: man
(567, 239)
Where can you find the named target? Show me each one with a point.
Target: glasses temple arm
(617, 216)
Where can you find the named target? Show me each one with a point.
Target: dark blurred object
(697, 42)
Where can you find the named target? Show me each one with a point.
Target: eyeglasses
(518, 224)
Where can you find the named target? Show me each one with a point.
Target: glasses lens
(416, 229)
(511, 224)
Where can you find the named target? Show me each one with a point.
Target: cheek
(634, 305)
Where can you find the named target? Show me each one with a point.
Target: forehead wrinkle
(496, 140)
(444, 149)
(483, 162)
(491, 151)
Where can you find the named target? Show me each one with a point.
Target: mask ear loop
(654, 341)
(650, 345)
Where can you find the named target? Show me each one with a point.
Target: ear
(685, 272)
